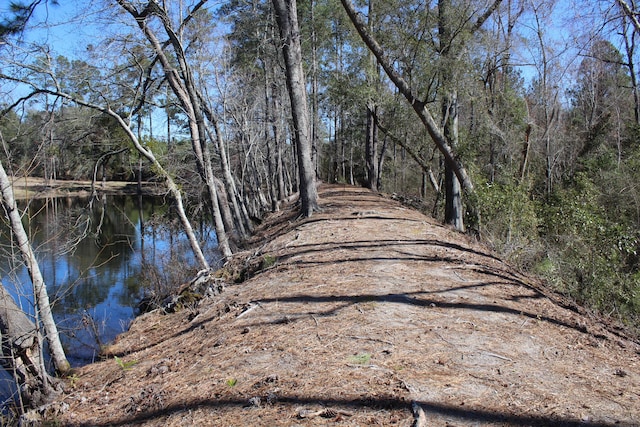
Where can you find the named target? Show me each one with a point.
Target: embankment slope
(349, 317)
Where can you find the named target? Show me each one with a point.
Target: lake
(98, 258)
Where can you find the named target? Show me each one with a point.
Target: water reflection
(92, 254)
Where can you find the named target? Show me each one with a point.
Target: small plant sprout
(360, 359)
(125, 366)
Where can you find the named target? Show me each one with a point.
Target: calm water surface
(92, 254)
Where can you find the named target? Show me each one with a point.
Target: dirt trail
(351, 316)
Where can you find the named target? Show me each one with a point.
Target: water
(92, 255)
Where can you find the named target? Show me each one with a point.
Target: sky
(71, 25)
(66, 27)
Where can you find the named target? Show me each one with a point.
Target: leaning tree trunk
(21, 354)
(183, 86)
(173, 188)
(39, 289)
(287, 17)
(420, 107)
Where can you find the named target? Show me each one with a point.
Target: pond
(98, 258)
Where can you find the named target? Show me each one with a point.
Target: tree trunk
(371, 143)
(315, 108)
(287, 17)
(371, 148)
(225, 211)
(21, 354)
(277, 140)
(39, 289)
(454, 210)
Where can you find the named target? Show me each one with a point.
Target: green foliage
(125, 366)
(591, 258)
(508, 219)
(360, 359)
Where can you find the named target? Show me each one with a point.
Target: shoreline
(25, 188)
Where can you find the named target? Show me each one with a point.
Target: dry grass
(347, 318)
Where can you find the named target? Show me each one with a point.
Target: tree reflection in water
(94, 256)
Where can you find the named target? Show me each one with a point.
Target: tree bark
(39, 289)
(287, 18)
(453, 207)
(371, 148)
(21, 354)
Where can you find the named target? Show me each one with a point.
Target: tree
(21, 13)
(253, 70)
(444, 135)
(21, 345)
(21, 354)
(181, 80)
(287, 18)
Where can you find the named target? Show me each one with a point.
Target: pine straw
(347, 318)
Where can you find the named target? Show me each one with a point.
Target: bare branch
(631, 14)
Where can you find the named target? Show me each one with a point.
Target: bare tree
(21, 344)
(39, 289)
(182, 83)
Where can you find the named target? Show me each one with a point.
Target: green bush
(508, 221)
(590, 257)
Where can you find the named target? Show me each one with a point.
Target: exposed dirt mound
(351, 316)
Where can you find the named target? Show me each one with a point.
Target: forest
(516, 121)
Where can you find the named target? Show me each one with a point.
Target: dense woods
(514, 120)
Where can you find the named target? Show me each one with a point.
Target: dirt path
(351, 316)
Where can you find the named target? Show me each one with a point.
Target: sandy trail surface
(368, 313)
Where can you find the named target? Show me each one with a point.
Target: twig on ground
(317, 326)
(488, 353)
(324, 413)
(355, 337)
(252, 306)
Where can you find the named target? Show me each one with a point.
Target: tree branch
(631, 14)
(482, 19)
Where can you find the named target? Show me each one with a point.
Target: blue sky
(67, 27)
(71, 25)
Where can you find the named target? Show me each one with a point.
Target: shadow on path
(454, 412)
(414, 299)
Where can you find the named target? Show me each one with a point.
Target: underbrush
(163, 279)
(568, 240)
